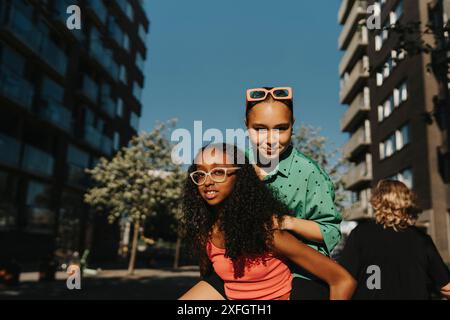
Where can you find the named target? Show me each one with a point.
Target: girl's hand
(341, 283)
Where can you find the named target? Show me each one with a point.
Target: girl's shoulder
(299, 159)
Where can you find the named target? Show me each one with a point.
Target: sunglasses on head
(278, 93)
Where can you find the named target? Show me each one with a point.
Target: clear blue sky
(203, 54)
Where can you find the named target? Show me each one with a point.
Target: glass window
(77, 156)
(404, 92)
(137, 91)
(390, 146)
(8, 200)
(9, 150)
(382, 151)
(378, 43)
(129, 11)
(399, 140)
(380, 113)
(134, 121)
(40, 217)
(70, 215)
(379, 79)
(142, 33)
(37, 161)
(90, 88)
(116, 141)
(120, 108)
(406, 177)
(387, 108)
(52, 90)
(12, 60)
(126, 43)
(77, 162)
(405, 134)
(115, 31)
(140, 61)
(100, 10)
(396, 97)
(123, 74)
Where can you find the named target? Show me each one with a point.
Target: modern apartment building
(67, 98)
(389, 96)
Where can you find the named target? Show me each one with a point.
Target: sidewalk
(108, 284)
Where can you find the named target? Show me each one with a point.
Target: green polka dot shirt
(309, 193)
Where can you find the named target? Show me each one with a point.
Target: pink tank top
(269, 281)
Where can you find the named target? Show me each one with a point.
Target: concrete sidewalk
(108, 284)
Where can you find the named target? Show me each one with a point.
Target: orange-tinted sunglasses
(278, 93)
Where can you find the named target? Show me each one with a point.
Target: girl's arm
(445, 291)
(306, 228)
(342, 284)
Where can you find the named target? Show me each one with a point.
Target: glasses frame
(267, 92)
(209, 174)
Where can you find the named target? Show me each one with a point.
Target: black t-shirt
(393, 265)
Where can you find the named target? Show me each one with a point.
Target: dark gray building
(67, 98)
(389, 94)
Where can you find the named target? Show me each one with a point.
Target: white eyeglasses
(216, 174)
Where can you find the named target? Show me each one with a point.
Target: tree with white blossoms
(137, 180)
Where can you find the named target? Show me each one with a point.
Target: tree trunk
(133, 249)
(176, 261)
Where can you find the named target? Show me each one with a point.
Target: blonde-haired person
(389, 256)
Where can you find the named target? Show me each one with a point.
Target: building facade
(67, 98)
(390, 97)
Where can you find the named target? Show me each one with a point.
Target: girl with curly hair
(230, 219)
(302, 185)
(389, 256)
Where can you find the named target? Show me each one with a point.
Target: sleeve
(350, 257)
(319, 207)
(436, 268)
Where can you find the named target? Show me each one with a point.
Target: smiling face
(269, 124)
(211, 191)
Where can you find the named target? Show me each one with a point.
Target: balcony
(54, 57)
(357, 175)
(16, 89)
(344, 9)
(99, 10)
(359, 42)
(56, 114)
(351, 82)
(34, 36)
(22, 28)
(357, 111)
(105, 58)
(9, 150)
(358, 141)
(37, 161)
(357, 211)
(358, 11)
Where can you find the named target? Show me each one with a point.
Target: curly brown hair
(246, 217)
(395, 205)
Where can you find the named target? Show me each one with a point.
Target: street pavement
(145, 284)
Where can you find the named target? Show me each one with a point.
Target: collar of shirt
(284, 165)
